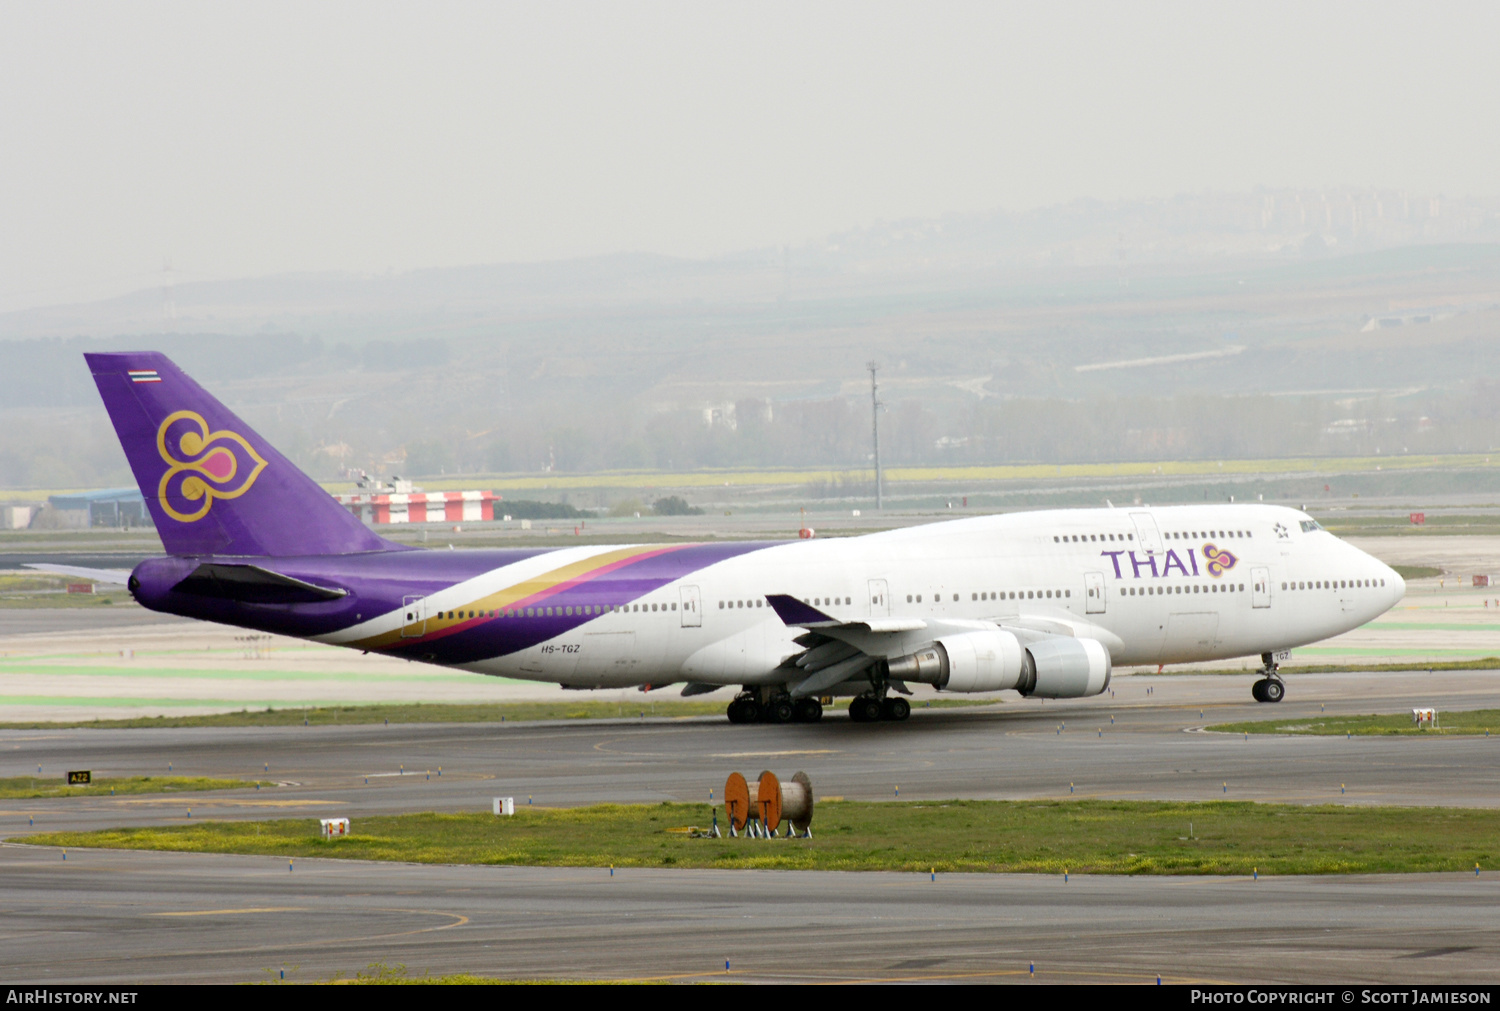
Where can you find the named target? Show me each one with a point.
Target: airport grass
(1417, 571)
(50, 601)
(416, 712)
(655, 480)
(1344, 524)
(36, 788)
(1482, 663)
(1035, 836)
(1475, 722)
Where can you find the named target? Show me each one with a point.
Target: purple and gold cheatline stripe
(574, 594)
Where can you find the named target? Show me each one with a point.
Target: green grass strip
(52, 601)
(1417, 571)
(1483, 663)
(1432, 626)
(416, 712)
(1451, 724)
(1045, 837)
(32, 787)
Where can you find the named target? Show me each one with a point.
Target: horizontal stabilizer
(119, 576)
(252, 584)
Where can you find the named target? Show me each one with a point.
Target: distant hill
(1209, 325)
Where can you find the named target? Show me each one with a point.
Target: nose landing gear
(1269, 688)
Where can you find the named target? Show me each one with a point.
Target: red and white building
(380, 508)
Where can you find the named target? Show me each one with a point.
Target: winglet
(792, 611)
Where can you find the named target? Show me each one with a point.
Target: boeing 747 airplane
(1044, 603)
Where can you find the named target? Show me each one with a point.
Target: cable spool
(768, 801)
(797, 802)
(737, 801)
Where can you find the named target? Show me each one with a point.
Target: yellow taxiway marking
(232, 912)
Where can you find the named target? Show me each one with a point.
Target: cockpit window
(1310, 525)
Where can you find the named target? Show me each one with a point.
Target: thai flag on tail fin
(144, 376)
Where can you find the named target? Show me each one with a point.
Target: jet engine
(1053, 667)
(970, 662)
(1062, 668)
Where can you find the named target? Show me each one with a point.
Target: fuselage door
(1093, 592)
(1146, 532)
(692, 607)
(880, 599)
(413, 617)
(1260, 587)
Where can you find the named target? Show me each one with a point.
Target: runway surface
(112, 916)
(1020, 748)
(149, 917)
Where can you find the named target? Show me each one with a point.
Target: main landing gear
(869, 709)
(779, 707)
(1269, 688)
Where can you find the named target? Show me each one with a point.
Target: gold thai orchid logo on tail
(202, 466)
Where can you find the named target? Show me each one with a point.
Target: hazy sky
(257, 138)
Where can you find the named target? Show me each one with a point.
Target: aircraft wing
(835, 651)
(119, 576)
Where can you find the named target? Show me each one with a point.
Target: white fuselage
(1154, 585)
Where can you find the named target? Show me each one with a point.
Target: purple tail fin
(213, 486)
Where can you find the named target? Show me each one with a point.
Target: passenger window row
(1008, 595)
(1173, 535)
(1156, 591)
(1332, 584)
(1196, 535)
(554, 612)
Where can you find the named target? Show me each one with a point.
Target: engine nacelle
(1054, 667)
(1063, 668)
(971, 662)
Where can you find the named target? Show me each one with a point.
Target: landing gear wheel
(1268, 690)
(736, 711)
(749, 710)
(807, 711)
(778, 711)
(864, 709)
(896, 709)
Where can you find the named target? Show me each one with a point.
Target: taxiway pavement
(108, 916)
(113, 916)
